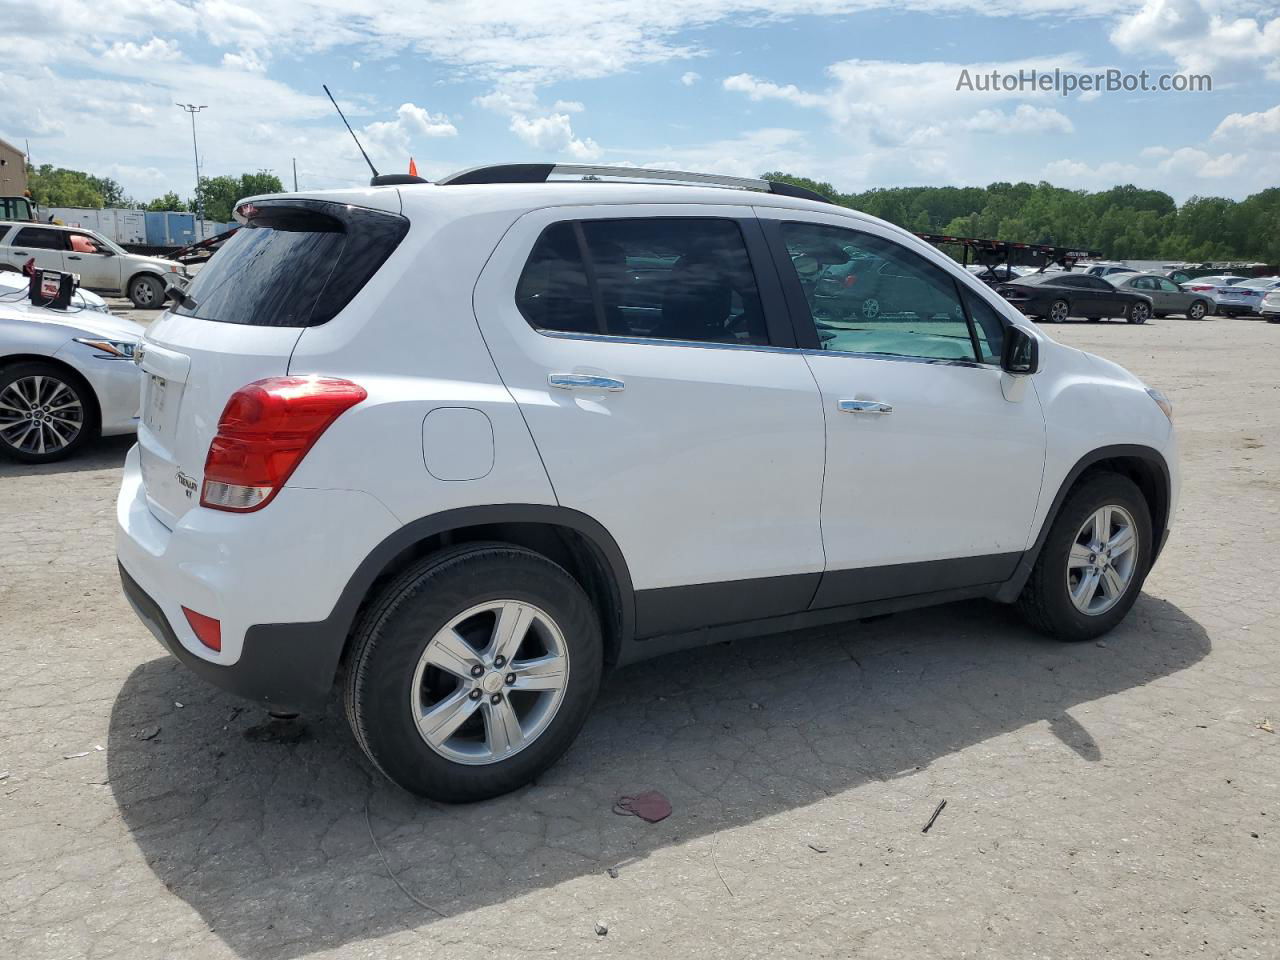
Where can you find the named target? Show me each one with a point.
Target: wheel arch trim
(328, 638)
(1150, 456)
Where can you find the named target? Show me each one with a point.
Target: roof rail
(544, 172)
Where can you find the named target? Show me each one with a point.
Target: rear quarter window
(293, 264)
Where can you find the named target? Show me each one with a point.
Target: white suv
(461, 447)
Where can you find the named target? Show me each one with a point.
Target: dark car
(1056, 296)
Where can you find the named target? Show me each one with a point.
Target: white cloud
(1200, 39)
(568, 106)
(690, 77)
(155, 49)
(553, 134)
(764, 90)
(1024, 119)
(1194, 162)
(1265, 123)
(749, 154)
(1075, 173)
(411, 121)
(244, 60)
(355, 64)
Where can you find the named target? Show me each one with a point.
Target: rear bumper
(271, 579)
(282, 666)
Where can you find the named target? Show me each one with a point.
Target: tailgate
(191, 367)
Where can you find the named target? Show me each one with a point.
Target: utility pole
(295, 174)
(192, 109)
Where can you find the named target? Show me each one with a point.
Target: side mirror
(1021, 352)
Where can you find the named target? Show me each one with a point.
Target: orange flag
(413, 168)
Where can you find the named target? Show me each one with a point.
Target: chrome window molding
(759, 348)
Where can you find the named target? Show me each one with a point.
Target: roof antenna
(350, 131)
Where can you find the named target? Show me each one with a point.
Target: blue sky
(857, 92)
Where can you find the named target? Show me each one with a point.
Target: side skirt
(638, 650)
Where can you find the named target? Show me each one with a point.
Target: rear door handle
(584, 381)
(69, 257)
(864, 406)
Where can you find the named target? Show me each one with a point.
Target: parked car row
(1109, 290)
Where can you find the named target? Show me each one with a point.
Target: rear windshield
(293, 264)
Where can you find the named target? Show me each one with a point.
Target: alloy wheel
(490, 682)
(1103, 560)
(870, 309)
(1139, 313)
(1196, 312)
(1058, 311)
(40, 415)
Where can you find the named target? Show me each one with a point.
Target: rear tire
(1046, 601)
(147, 292)
(407, 668)
(1059, 310)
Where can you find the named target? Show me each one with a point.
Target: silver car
(1166, 296)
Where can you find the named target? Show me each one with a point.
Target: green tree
(1125, 221)
(221, 194)
(170, 201)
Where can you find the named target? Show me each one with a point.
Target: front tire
(1198, 310)
(46, 414)
(473, 672)
(147, 292)
(1059, 310)
(1093, 562)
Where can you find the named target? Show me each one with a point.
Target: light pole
(192, 109)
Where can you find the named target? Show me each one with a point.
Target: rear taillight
(265, 430)
(1199, 287)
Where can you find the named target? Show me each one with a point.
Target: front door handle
(69, 257)
(584, 381)
(864, 406)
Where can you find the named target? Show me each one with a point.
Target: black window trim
(772, 300)
(806, 332)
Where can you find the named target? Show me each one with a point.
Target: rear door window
(293, 264)
(660, 278)
(38, 238)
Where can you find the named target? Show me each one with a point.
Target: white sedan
(66, 376)
(1232, 295)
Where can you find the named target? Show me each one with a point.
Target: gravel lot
(1116, 799)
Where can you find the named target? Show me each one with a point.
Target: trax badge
(188, 484)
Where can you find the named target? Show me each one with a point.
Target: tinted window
(38, 238)
(1168, 286)
(1079, 281)
(1141, 283)
(870, 295)
(293, 265)
(663, 278)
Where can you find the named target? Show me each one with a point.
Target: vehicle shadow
(101, 454)
(269, 841)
